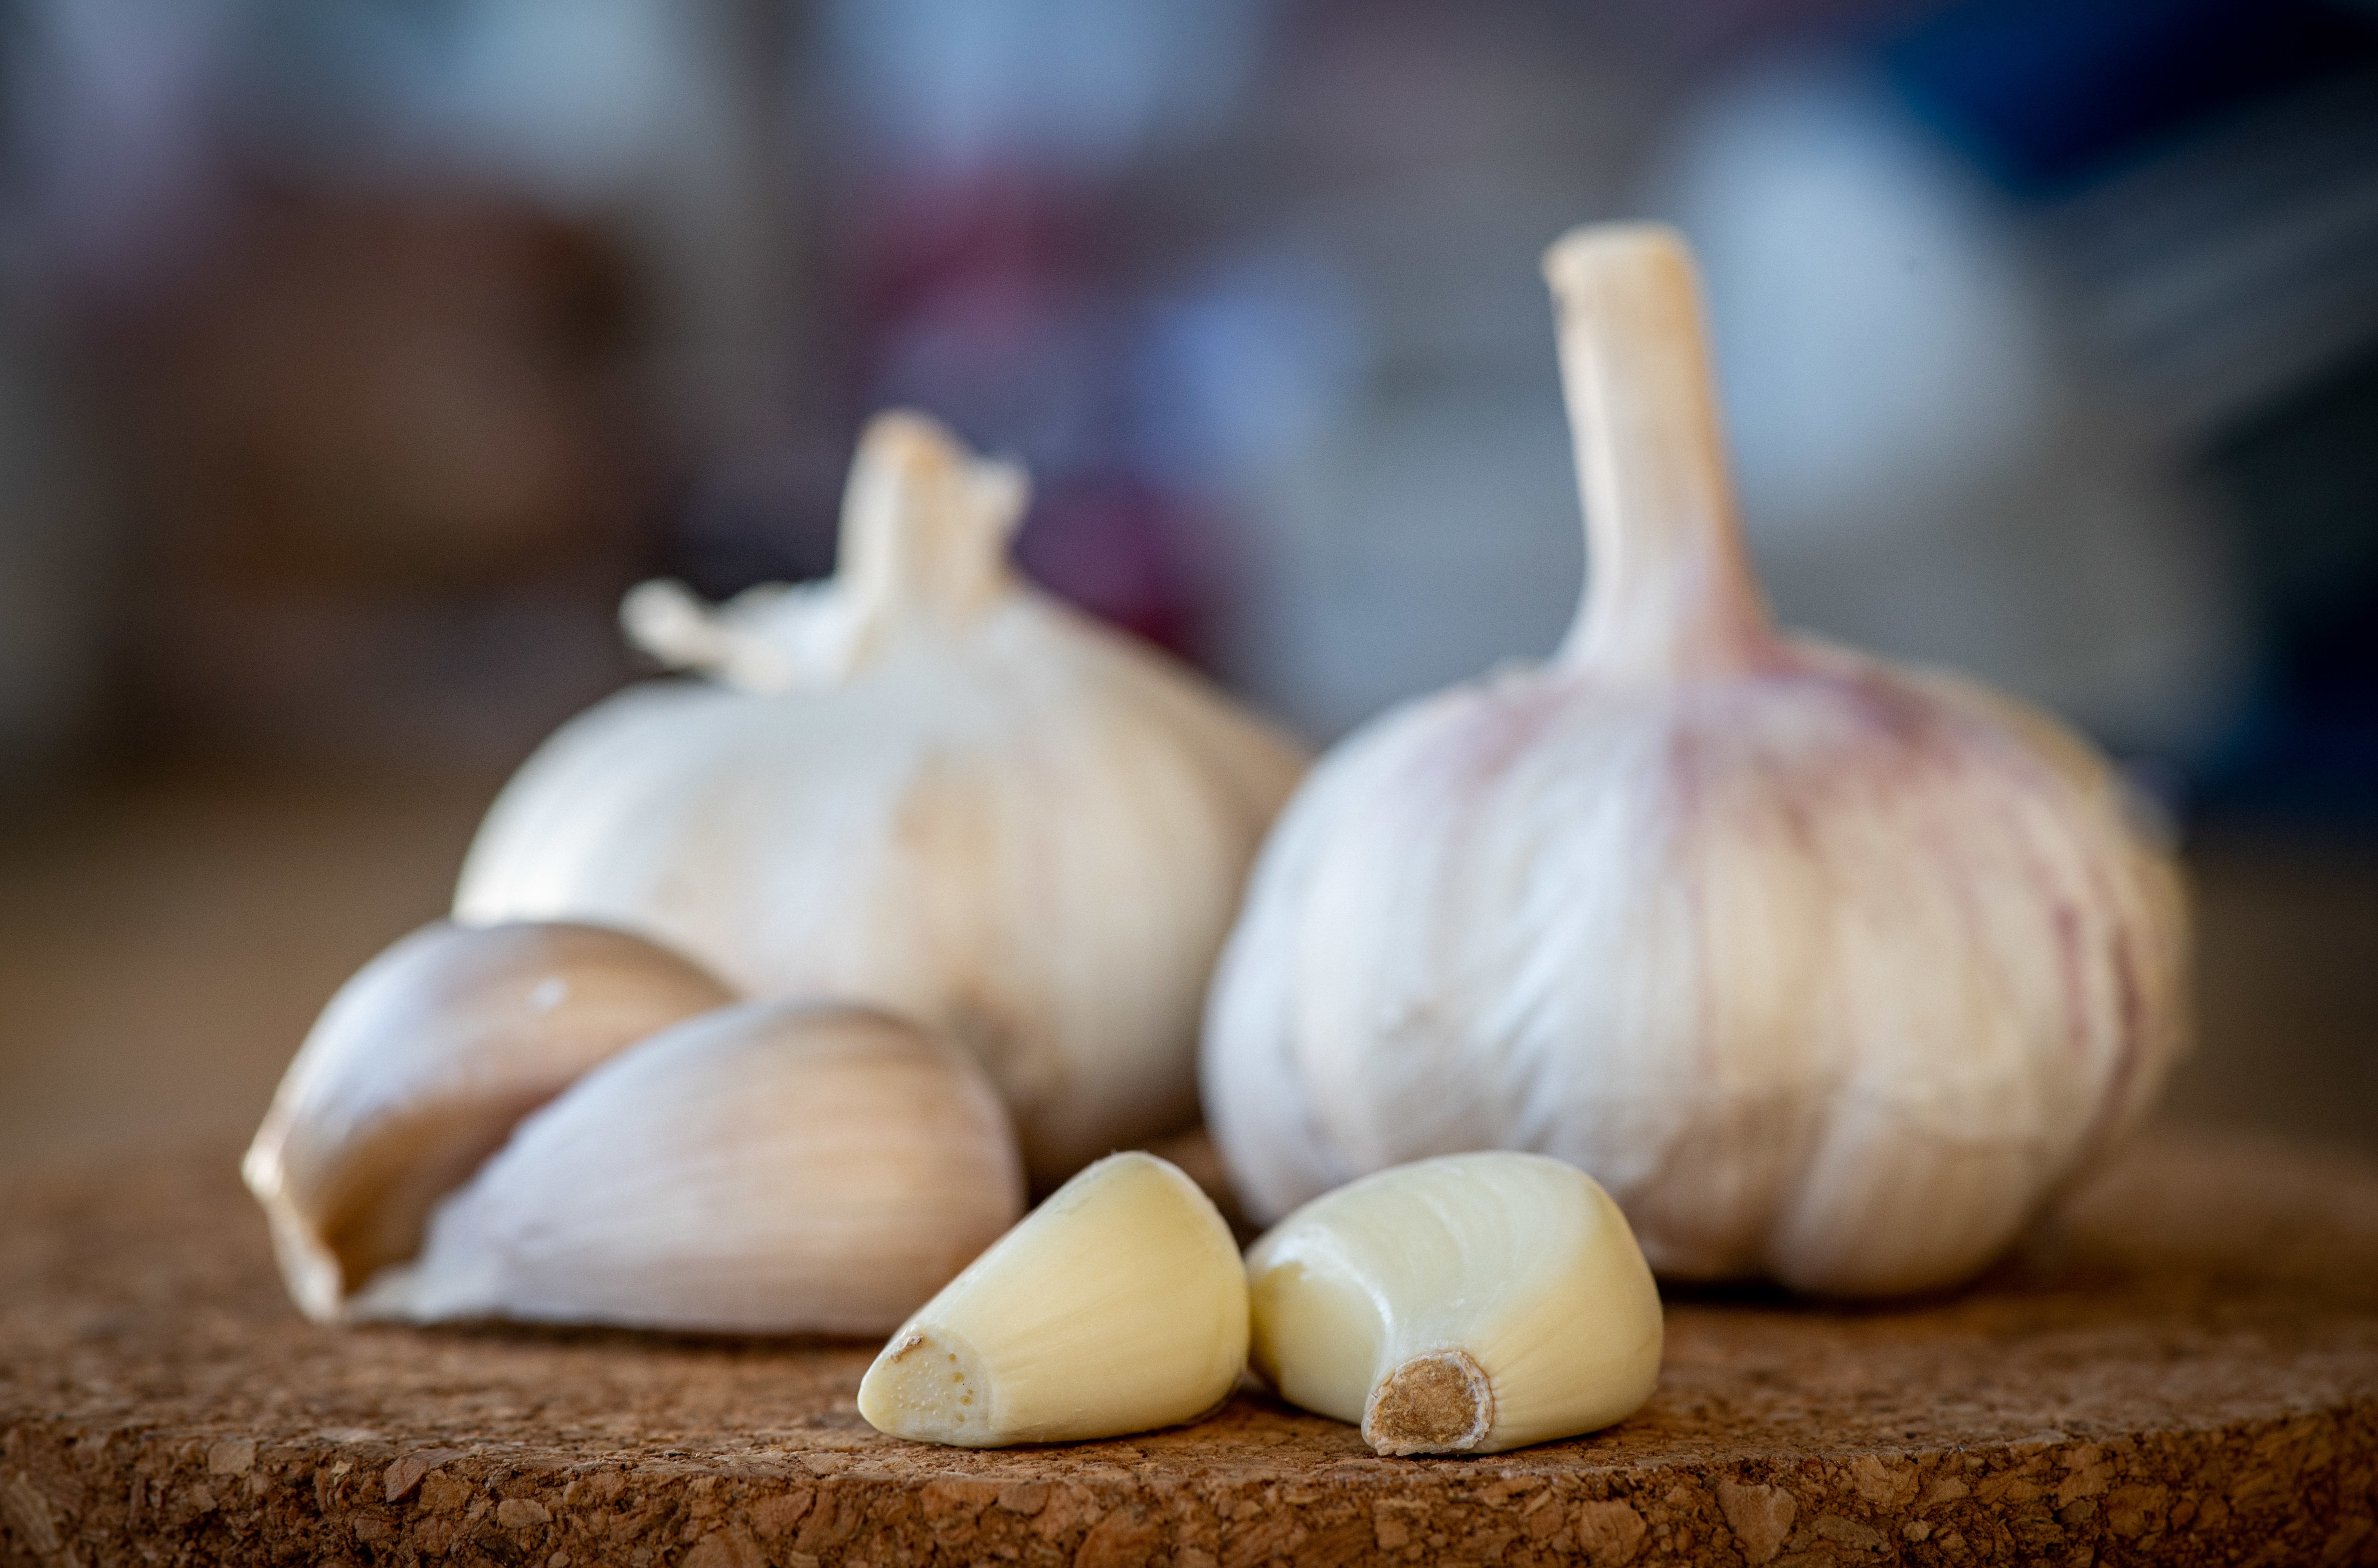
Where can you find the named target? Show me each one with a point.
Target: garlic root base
(1438, 1403)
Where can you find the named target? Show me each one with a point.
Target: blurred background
(356, 354)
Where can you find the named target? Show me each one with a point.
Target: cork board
(2182, 1368)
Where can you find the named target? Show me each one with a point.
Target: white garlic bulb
(769, 1168)
(1118, 1305)
(1465, 1304)
(925, 786)
(1828, 970)
(421, 1066)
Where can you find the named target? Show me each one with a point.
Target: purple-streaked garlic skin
(1828, 971)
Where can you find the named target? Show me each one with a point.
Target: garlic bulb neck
(1670, 593)
(925, 530)
(926, 523)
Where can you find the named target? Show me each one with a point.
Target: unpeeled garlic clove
(1118, 1305)
(421, 1065)
(770, 1169)
(1466, 1304)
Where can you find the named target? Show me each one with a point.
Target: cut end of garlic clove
(1118, 1305)
(1438, 1403)
(930, 1386)
(1467, 1304)
(421, 1065)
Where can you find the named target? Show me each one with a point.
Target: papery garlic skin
(1118, 1305)
(1828, 970)
(421, 1066)
(923, 785)
(771, 1167)
(1466, 1304)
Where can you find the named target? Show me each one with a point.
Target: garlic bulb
(1465, 1304)
(421, 1066)
(770, 1168)
(921, 784)
(1828, 970)
(1117, 1305)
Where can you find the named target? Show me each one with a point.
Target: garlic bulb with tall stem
(921, 784)
(1827, 969)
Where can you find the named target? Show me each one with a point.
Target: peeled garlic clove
(421, 1065)
(1466, 1304)
(1117, 1305)
(765, 1168)
(1826, 970)
(924, 785)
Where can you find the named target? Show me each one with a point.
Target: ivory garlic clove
(1465, 1304)
(421, 1066)
(1828, 970)
(1118, 1305)
(766, 1169)
(924, 785)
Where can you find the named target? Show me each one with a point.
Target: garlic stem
(1671, 592)
(925, 531)
(666, 620)
(925, 524)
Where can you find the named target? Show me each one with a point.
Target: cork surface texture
(2181, 1368)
